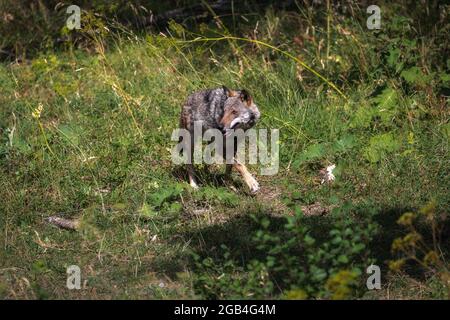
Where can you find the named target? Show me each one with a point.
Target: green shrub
(296, 261)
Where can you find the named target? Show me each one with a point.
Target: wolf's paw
(253, 185)
(194, 185)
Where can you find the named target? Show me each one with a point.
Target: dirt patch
(316, 209)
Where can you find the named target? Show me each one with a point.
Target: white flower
(328, 175)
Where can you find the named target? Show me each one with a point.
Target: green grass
(100, 152)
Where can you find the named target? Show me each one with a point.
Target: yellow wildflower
(431, 258)
(406, 219)
(339, 284)
(396, 265)
(37, 112)
(296, 294)
(429, 209)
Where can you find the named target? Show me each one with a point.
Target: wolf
(224, 109)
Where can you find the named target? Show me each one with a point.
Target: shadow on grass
(237, 234)
(207, 176)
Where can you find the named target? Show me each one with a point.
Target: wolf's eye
(234, 112)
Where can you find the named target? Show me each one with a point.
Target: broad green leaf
(345, 143)
(393, 59)
(414, 75)
(387, 104)
(362, 117)
(147, 211)
(313, 152)
(71, 133)
(445, 78)
(343, 259)
(379, 146)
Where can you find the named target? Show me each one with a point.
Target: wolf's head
(240, 112)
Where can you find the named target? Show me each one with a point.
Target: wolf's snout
(235, 122)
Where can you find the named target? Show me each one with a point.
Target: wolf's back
(205, 106)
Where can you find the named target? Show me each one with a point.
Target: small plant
(162, 200)
(415, 248)
(217, 196)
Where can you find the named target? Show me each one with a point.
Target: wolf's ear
(246, 97)
(229, 92)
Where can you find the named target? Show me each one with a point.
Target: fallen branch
(195, 11)
(64, 223)
(204, 11)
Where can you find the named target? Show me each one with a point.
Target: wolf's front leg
(191, 175)
(247, 176)
(190, 165)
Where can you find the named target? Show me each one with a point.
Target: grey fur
(224, 109)
(209, 105)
